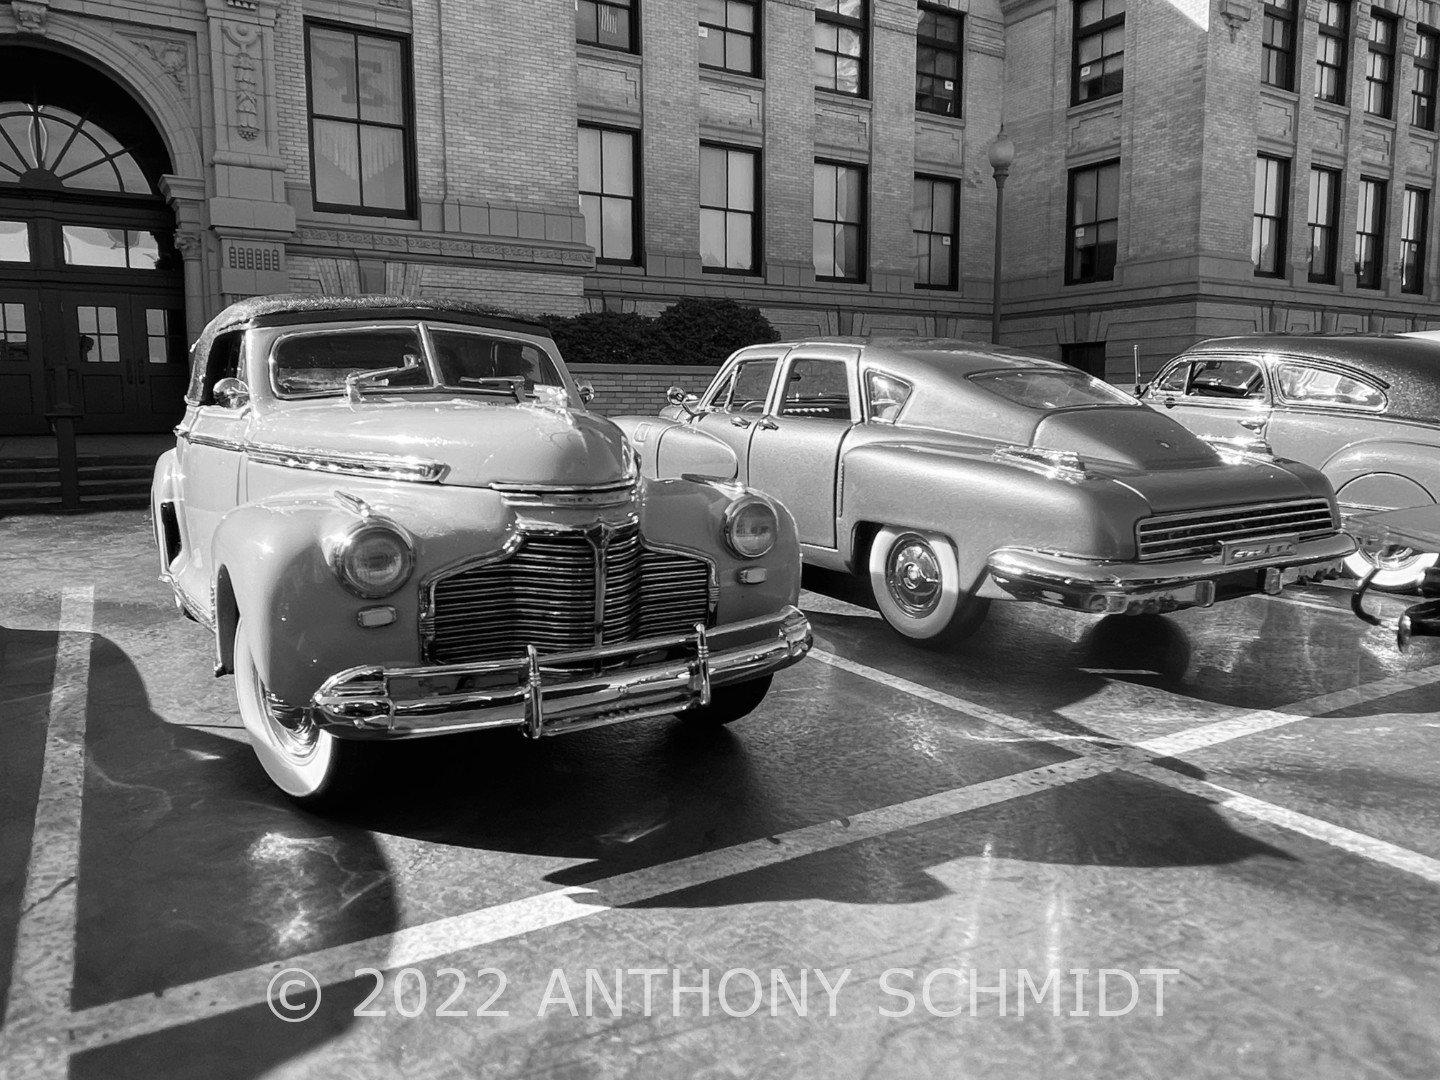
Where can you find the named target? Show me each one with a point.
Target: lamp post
(1002, 155)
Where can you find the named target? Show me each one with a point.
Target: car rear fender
(1385, 474)
(981, 504)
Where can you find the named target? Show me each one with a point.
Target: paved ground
(1232, 814)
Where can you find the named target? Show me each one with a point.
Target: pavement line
(147, 1013)
(1316, 605)
(44, 960)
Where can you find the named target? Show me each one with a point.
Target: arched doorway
(91, 288)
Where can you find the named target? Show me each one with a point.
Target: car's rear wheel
(915, 578)
(1397, 568)
(304, 761)
(729, 703)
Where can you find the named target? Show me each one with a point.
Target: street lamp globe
(1002, 153)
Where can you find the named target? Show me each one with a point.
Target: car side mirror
(587, 393)
(232, 393)
(679, 398)
(1141, 389)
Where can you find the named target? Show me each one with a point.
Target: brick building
(1184, 168)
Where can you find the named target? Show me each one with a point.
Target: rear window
(1049, 388)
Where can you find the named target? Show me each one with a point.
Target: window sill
(1338, 109)
(943, 120)
(732, 78)
(1279, 92)
(360, 218)
(1100, 104)
(1379, 121)
(756, 276)
(607, 54)
(859, 100)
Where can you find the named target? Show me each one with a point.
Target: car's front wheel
(304, 761)
(1397, 568)
(729, 703)
(915, 577)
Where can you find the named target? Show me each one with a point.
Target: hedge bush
(690, 331)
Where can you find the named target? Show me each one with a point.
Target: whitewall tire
(915, 577)
(1400, 569)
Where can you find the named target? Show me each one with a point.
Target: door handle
(767, 425)
(1251, 423)
(739, 421)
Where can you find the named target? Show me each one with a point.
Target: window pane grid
(1277, 49)
(359, 137)
(13, 337)
(1380, 67)
(939, 60)
(840, 42)
(1370, 234)
(608, 170)
(728, 181)
(1330, 58)
(1099, 61)
(839, 222)
(728, 31)
(1094, 223)
(936, 232)
(1322, 217)
(1415, 222)
(1267, 244)
(607, 23)
(1422, 96)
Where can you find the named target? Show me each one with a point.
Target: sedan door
(735, 401)
(795, 450)
(1216, 397)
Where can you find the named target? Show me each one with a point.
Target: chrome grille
(1200, 532)
(544, 594)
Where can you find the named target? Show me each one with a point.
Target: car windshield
(319, 363)
(1049, 388)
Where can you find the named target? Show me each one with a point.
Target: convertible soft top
(288, 309)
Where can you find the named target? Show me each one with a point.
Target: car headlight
(373, 560)
(750, 527)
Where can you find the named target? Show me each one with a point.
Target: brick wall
(638, 389)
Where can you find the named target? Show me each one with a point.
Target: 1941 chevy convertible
(399, 518)
(952, 474)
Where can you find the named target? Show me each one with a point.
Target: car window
(744, 387)
(1173, 381)
(1306, 385)
(1227, 379)
(818, 388)
(1047, 388)
(223, 362)
(318, 363)
(468, 359)
(885, 396)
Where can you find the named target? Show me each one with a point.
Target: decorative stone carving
(30, 15)
(170, 56)
(245, 77)
(1236, 14)
(188, 244)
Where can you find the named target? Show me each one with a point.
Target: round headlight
(751, 527)
(373, 561)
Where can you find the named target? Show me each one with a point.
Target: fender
(164, 521)
(1405, 470)
(981, 504)
(671, 448)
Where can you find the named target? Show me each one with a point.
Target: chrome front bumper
(1148, 587)
(560, 692)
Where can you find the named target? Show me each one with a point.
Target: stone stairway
(30, 483)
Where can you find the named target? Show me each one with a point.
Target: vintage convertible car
(1364, 409)
(400, 519)
(953, 473)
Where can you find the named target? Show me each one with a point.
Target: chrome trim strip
(382, 466)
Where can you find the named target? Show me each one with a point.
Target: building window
(840, 46)
(360, 138)
(1422, 98)
(1323, 218)
(1267, 241)
(937, 239)
(1330, 46)
(1093, 225)
(1380, 66)
(609, 166)
(607, 23)
(1088, 356)
(1370, 234)
(1414, 223)
(728, 187)
(1099, 49)
(839, 226)
(728, 33)
(939, 45)
(1277, 48)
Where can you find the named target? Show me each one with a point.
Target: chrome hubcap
(1393, 557)
(912, 576)
(295, 732)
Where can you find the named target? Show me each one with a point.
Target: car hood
(1168, 466)
(480, 442)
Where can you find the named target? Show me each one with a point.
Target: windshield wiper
(497, 384)
(409, 362)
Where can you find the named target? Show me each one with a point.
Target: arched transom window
(47, 146)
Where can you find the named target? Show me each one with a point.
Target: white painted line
(1315, 605)
(1381, 851)
(44, 959)
(147, 1013)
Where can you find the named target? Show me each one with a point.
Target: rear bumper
(560, 692)
(1134, 587)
